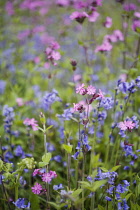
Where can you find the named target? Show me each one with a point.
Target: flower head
(37, 188)
(31, 122)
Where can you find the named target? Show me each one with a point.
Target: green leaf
(54, 205)
(80, 43)
(46, 158)
(100, 207)
(42, 164)
(42, 120)
(103, 169)
(68, 148)
(84, 184)
(76, 192)
(34, 201)
(71, 84)
(115, 168)
(49, 127)
(128, 196)
(97, 184)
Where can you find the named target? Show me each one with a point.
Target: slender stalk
(125, 107)
(4, 190)
(68, 170)
(83, 176)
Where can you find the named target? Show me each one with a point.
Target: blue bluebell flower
(22, 203)
(58, 187)
(2, 86)
(108, 198)
(107, 103)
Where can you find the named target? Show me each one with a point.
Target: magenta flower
(81, 89)
(79, 16)
(37, 188)
(106, 46)
(9, 8)
(137, 14)
(53, 174)
(31, 122)
(19, 101)
(78, 107)
(108, 22)
(100, 94)
(91, 90)
(135, 25)
(126, 125)
(93, 17)
(36, 171)
(46, 177)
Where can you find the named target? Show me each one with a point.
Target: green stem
(83, 176)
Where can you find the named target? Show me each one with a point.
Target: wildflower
(53, 174)
(106, 46)
(2, 86)
(58, 187)
(31, 122)
(108, 22)
(19, 101)
(81, 89)
(37, 188)
(66, 115)
(107, 103)
(79, 16)
(93, 16)
(91, 90)
(46, 177)
(36, 171)
(108, 198)
(22, 203)
(101, 95)
(129, 7)
(135, 24)
(137, 80)
(78, 108)
(126, 125)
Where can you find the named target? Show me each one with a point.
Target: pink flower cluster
(31, 122)
(52, 54)
(126, 125)
(90, 90)
(108, 39)
(46, 177)
(80, 16)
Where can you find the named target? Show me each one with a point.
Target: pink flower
(78, 108)
(126, 125)
(93, 17)
(36, 171)
(77, 77)
(135, 25)
(79, 16)
(9, 8)
(53, 174)
(81, 89)
(91, 90)
(137, 14)
(46, 65)
(100, 94)
(108, 22)
(46, 177)
(106, 46)
(19, 101)
(31, 122)
(119, 35)
(37, 188)
(56, 55)
(37, 60)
